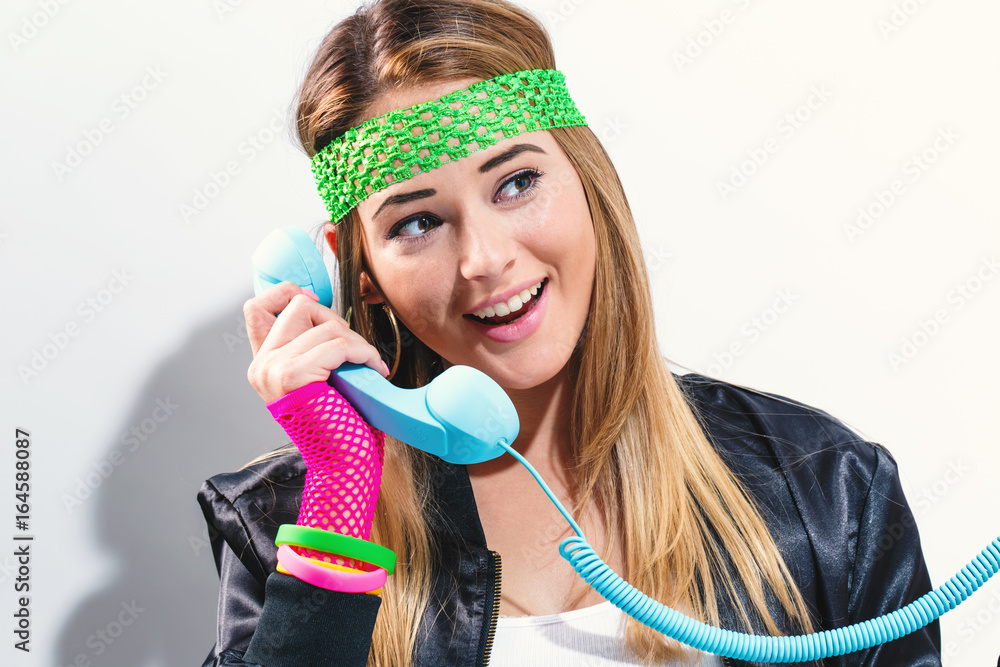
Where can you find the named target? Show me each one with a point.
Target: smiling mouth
(496, 319)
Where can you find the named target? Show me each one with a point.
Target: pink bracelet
(331, 580)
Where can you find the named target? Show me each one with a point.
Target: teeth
(513, 304)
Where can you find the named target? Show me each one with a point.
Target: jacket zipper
(496, 607)
(725, 661)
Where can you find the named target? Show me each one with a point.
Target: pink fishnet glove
(343, 456)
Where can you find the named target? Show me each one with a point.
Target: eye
(519, 185)
(414, 226)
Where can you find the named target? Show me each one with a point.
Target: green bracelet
(336, 544)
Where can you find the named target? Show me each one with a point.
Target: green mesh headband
(405, 142)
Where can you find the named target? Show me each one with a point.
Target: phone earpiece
(289, 254)
(460, 416)
(475, 411)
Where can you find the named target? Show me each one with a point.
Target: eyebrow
(490, 164)
(509, 154)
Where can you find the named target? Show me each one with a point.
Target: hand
(296, 341)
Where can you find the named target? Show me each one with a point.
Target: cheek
(419, 299)
(564, 231)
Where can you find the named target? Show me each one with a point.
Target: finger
(262, 310)
(323, 332)
(303, 315)
(298, 313)
(332, 354)
(319, 361)
(354, 349)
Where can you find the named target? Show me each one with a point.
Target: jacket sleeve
(302, 624)
(265, 618)
(889, 571)
(299, 624)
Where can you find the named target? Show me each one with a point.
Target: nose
(487, 246)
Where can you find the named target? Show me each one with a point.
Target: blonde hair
(642, 454)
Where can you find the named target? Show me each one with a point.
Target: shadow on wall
(197, 416)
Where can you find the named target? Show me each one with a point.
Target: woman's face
(503, 233)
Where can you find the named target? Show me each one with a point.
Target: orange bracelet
(332, 566)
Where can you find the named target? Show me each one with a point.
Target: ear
(330, 232)
(369, 293)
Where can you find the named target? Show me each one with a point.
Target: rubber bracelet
(332, 566)
(332, 580)
(318, 539)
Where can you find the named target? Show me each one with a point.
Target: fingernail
(312, 295)
(386, 367)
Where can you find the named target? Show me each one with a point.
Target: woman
(519, 257)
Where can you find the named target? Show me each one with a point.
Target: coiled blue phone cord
(762, 648)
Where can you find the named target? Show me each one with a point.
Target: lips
(491, 316)
(527, 320)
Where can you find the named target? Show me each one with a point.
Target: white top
(592, 636)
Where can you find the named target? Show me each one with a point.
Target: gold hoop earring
(399, 343)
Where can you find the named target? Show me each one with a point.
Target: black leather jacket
(832, 501)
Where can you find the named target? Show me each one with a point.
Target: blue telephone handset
(464, 417)
(460, 416)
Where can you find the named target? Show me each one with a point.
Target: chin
(517, 370)
(523, 376)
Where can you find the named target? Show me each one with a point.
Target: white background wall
(719, 266)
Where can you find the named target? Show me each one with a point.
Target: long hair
(641, 452)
